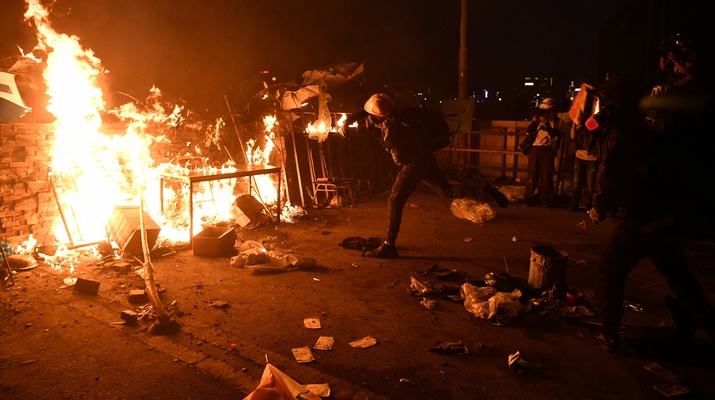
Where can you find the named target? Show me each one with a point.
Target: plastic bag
(472, 210)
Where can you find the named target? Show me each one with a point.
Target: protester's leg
(577, 186)
(591, 168)
(532, 177)
(668, 256)
(437, 180)
(623, 252)
(546, 174)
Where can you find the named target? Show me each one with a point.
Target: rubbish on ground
(632, 305)
(318, 389)
(303, 354)
(517, 362)
(275, 384)
(311, 323)
(86, 286)
(486, 302)
(254, 256)
(450, 347)
(472, 210)
(405, 380)
(362, 244)
(468, 240)
(392, 284)
(419, 287)
(664, 373)
(219, 303)
(324, 343)
(129, 316)
(138, 296)
(514, 239)
(428, 303)
(438, 272)
(582, 224)
(367, 341)
(671, 389)
(574, 297)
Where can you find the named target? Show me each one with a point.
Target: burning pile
(94, 169)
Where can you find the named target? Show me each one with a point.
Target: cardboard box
(125, 229)
(215, 242)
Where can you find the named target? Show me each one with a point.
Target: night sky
(203, 50)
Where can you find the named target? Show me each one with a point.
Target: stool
(335, 187)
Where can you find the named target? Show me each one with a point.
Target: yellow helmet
(379, 105)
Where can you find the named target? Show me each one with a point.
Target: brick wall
(27, 204)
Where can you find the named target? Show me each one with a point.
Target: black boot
(384, 251)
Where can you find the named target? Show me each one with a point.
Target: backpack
(430, 125)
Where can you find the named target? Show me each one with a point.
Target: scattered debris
(318, 389)
(428, 303)
(129, 316)
(671, 389)
(450, 347)
(518, 363)
(303, 354)
(86, 286)
(276, 384)
(324, 343)
(632, 305)
(138, 296)
(220, 304)
(393, 284)
(311, 323)
(367, 341)
(405, 380)
(488, 303)
(664, 373)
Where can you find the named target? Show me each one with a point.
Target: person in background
(676, 66)
(585, 146)
(635, 186)
(545, 129)
(401, 138)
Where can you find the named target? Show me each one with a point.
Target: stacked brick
(27, 204)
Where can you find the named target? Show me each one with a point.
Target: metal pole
(462, 78)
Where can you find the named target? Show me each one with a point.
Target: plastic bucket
(547, 268)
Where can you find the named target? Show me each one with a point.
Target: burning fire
(93, 171)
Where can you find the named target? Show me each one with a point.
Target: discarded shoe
(609, 344)
(384, 251)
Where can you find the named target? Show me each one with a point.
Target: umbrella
(333, 75)
(293, 99)
(11, 105)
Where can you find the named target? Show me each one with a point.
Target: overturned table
(191, 177)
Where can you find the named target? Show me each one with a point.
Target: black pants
(628, 244)
(406, 182)
(541, 173)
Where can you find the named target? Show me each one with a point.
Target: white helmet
(379, 105)
(547, 104)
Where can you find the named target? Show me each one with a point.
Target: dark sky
(203, 50)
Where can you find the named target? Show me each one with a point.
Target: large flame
(95, 171)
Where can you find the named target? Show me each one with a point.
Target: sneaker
(384, 251)
(611, 345)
